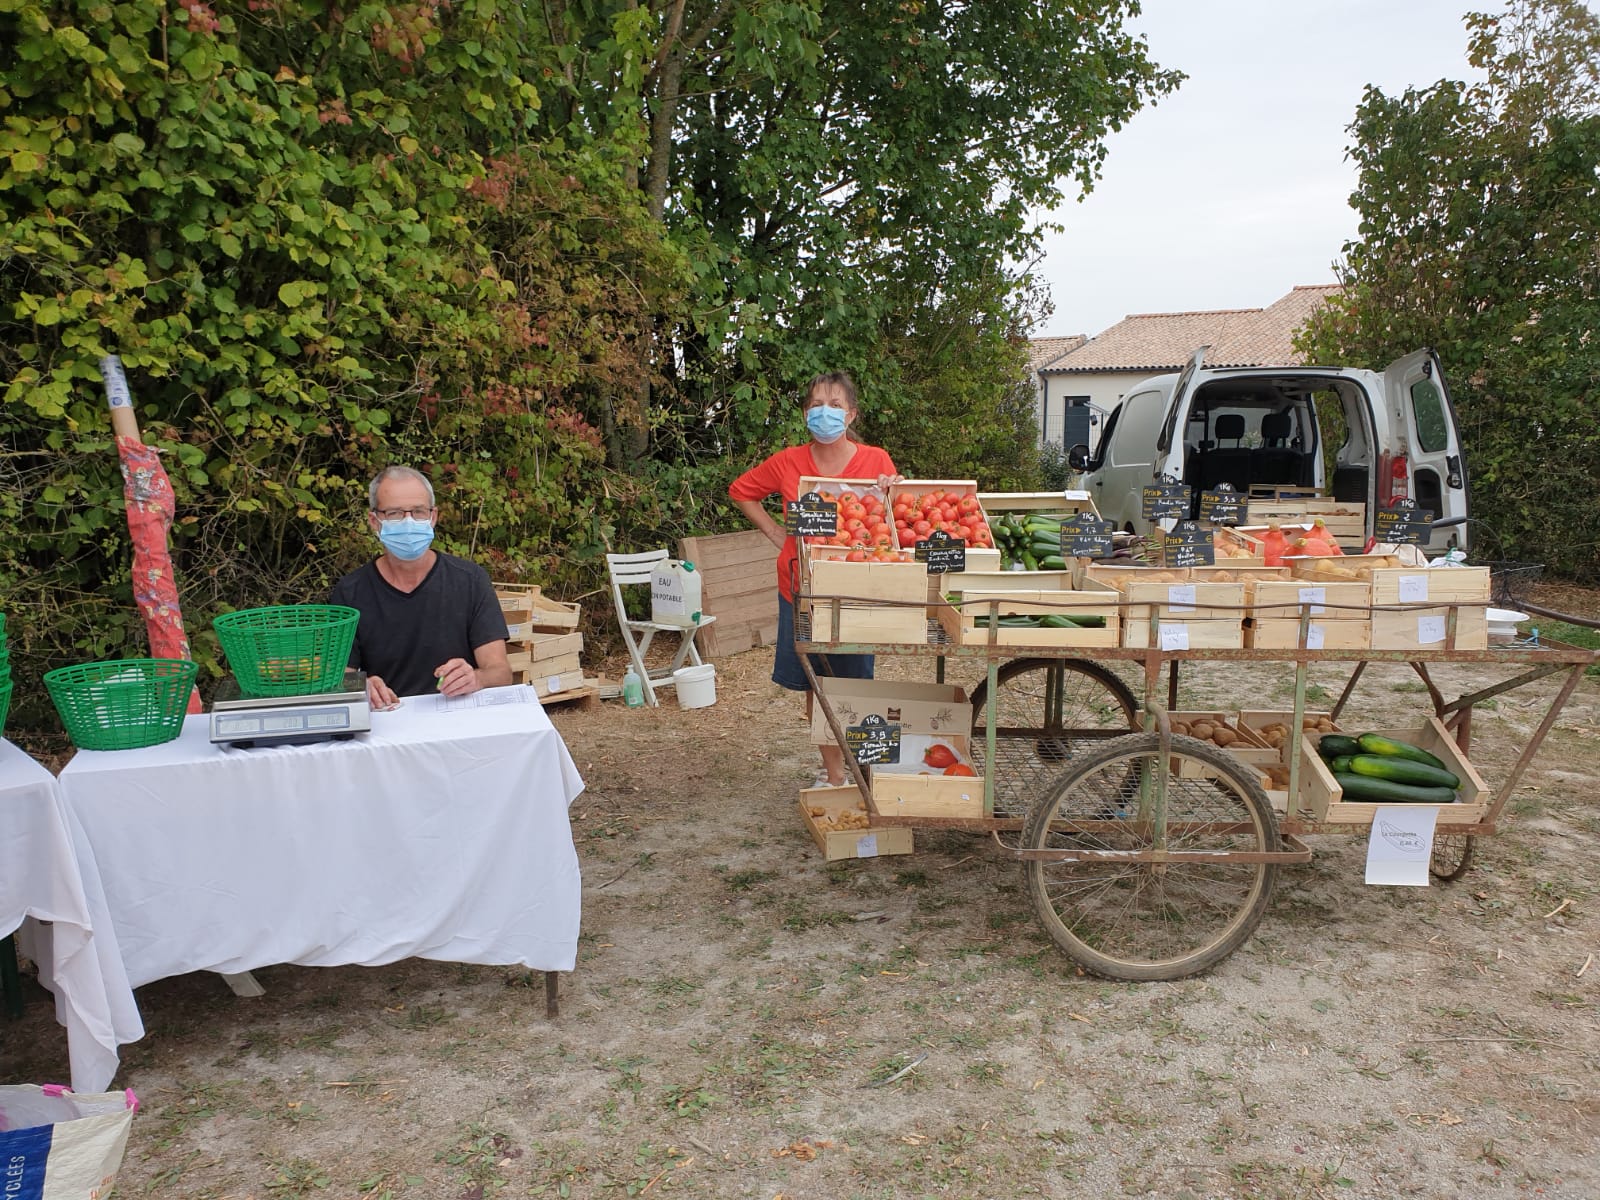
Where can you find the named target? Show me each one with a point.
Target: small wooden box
(912, 789)
(880, 602)
(1189, 616)
(552, 683)
(1322, 795)
(1280, 600)
(542, 646)
(1001, 581)
(1346, 520)
(917, 488)
(1426, 627)
(1056, 504)
(1437, 585)
(837, 844)
(1234, 546)
(1275, 634)
(561, 664)
(962, 625)
(1343, 568)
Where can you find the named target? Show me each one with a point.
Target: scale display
(259, 720)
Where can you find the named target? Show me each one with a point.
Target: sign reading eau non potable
(875, 740)
(811, 516)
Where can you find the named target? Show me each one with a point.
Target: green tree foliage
(572, 258)
(1480, 218)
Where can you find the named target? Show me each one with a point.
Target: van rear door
(1425, 463)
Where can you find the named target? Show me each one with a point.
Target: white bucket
(696, 686)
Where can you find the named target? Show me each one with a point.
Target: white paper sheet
(1316, 597)
(1175, 637)
(1180, 597)
(1401, 844)
(1430, 630)
(1314, 636)
(1413, 589)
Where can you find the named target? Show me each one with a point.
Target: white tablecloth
(39, 879)
(441, 834)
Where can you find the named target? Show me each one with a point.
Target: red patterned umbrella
(151, 507)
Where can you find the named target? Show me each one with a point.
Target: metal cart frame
(1133, 840)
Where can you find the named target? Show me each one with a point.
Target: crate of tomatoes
(919, 507)
(861, 524)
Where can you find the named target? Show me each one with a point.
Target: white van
(1262, 428)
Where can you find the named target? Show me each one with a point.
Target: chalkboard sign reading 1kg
(1189, 545)
(811, 516)
(1085, 535)
(941, 552)
(873, 741)
(1402, 525)
(1221, 508)
(1161, 500)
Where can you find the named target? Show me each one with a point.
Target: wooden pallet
(586, 698)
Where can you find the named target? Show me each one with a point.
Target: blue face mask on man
(407, 539)
(826, 423)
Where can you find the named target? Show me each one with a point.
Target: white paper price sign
(867, 846)
(1175, 637)
(1413, 589)
(1316, 597)
(1180, 598)
(1314, 633)
(1400, 845)
(1430, 630)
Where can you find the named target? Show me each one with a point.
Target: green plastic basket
(292, 650)
(124, 704)
(5, 705)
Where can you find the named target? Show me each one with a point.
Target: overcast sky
(1236, 188)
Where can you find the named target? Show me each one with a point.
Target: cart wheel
(1151, 921)
(1047, 711)
(1452, 855)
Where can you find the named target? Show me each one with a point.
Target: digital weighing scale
(240, 720)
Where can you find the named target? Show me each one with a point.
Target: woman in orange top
(830, 409)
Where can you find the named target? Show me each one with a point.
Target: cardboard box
(1322, 796)
(837, 844)
(961, 624)
(880, 602)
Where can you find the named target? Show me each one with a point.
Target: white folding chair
(634, 569)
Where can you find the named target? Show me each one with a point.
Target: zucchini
(1052, 562)
(1029, 562)
(1336, 745)
(1062, 621)
(1384, 791)
(1340, 765)
(1373, 743)
(1403, 770)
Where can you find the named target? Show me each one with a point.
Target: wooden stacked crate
(738, 587)
(1346, 520)
(543, 644)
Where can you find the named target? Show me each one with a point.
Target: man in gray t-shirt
(429, 621)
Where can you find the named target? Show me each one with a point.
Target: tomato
(922, 529)
(847, 496)
(856, 556)
(960, 768)
(968, 504)
(852, 512)
(872, 504)
(840, 539)
(940, 755)
(828, 496)
(933, 497)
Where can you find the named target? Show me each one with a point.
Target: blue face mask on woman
(407, 539)
(826, 423)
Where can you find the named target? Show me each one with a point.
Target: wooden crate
(1234, 546)
(1346, 568)
(1189, 615)
(1437, 585)
(1002, 581)
(737, 586)
(936, 709)
(1055, 504)
(1279, 634)
(961, 624)
(1322, 796)
(912, 789)
(1280, 600)
(1186, 768)
(837, 844)
(560, 664)
(1346, 520)
(917, 488)
(541, 646)
(881, 602)
(1425, 627)
(552, 683)
(1258, 720)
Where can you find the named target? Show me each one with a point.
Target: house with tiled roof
(1097, 373)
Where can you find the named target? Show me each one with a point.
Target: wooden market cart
(1149, 855)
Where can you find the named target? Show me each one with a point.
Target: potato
(1309, 725)
(1202, 730)
(1325, 725)
(1224, 736)
(816, 810)
(1181, 727)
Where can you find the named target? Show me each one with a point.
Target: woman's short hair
(397, 473)
(839, 379)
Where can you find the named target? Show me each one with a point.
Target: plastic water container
(696, 686)
(632, 689)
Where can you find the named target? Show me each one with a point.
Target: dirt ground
(742, 1014)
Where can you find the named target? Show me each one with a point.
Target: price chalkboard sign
(873, 741)
(1086, 536)
(1161, 500)
(1221, 507)
(941, 552)
(811, 516)
(1189, 545)
(1403, 525)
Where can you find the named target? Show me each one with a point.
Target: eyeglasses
(399, 514)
